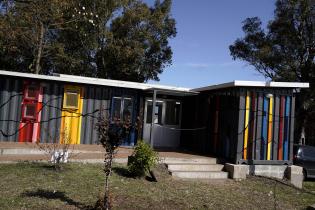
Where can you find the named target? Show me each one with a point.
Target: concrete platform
(195, 167)
(199, 174)
(16, 152)
(183, 159)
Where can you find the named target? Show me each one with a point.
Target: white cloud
(197, 65)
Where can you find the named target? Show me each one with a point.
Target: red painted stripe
(281, 127)
(21, 133)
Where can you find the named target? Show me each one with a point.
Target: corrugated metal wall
(266, 125)
(242, 125)
(96, 98)
(51, 112)
(195, 140)
(10, 108)
(214, 116)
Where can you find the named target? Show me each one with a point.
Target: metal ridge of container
(145, 86)
(244, 83)
(96, 81)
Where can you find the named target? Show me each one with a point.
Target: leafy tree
(116, 39)
(285, 51)
(137, 46)
(29, 33)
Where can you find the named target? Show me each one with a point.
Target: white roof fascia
(95, 81)
(135, 85)
(213, 87)
(290, 84)
(240, 83)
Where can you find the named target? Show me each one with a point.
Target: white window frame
(67, 91)
(163, 101)
(122, 103)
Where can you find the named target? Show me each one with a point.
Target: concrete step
(199, 174)
(172, 160)
(194, 167)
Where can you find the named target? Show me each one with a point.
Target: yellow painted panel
(270, 128)
(247, 104)
(72, 117)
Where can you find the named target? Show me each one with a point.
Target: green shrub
(142, 159)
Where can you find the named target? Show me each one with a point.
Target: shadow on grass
(121, 171)
(286, 183)
(52, 167)
(150, 179)
(50, 195)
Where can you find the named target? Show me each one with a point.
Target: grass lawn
(78, 186)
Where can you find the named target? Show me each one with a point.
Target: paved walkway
(13, 152)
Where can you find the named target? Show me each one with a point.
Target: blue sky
(205, 29)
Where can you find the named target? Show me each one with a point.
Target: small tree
(110, 135)
(57, 152)
(144, 158)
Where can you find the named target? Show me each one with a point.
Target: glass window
(72, 99)
(149, 112)
(116, 108)
(122, 108)
(127, 112)
(157, 112)
(31, 92)
(30, 110)
(172, 113)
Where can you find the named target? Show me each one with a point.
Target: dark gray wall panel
(95, 99)
(97, 105)
(258, 126)
(292, 118)
(10, 108)
(240, 138)
(51, 112)
(276, 121)
(253, 121)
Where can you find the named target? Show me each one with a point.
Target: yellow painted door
(71, 115)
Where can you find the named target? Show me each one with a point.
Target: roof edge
(244, 83)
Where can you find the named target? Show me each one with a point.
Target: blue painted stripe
(286, 128)
(264, 130)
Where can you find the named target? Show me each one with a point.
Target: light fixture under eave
(269, 95)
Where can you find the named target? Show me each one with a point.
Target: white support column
(153, 116)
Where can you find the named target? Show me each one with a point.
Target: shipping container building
(242, 122)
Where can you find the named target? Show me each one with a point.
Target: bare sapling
(58, 150)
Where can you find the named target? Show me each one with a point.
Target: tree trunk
(106, 194)
(40, 48)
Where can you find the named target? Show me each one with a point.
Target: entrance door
(70, 131)
(166, 123)
(29, 129)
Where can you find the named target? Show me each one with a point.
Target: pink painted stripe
(35, 132)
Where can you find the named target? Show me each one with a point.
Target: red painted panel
(31, 112)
